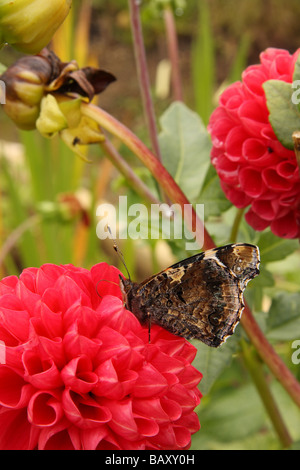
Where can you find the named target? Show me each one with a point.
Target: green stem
(137, 184)
(255, 368)
(15, 236)
(173, 191)
(236, 224)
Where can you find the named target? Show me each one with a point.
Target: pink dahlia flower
(79, 372)
(255, 169)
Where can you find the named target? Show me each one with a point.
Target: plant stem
(236, 224)
(137, 184)
(269, 356)
(255, 369)
(173, 191)
(173, 52)
(143, 76)
(14, 237)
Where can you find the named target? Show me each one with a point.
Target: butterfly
(200, 297)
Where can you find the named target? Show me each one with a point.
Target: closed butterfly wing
(200, 297)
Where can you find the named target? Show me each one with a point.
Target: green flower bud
(24, 83)
(29, 25)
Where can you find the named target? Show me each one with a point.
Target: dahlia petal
(56, 437)
(113, 344)
(53, 348)
(45, 409)
(106, 278)
(15, 392)
(288, 169)
(98, 439)
(78, 376)
(190, 421)
(13, 318)
(83, 411)
(253, 117)
(52, 321)
(8, 285)
(253, 79)
(16, 433)
(41, 374)
(150, 382)
(166, 438)
(70, 293)
(264, 209)
(251, 182)
(182, 437)
(160, 409)
(237, 196)
(147, 427)
(274, 181)
(28, 298)
(28, 278)
(78, 345)
(185, 398)
(47, 275)
(256, 152)
(114, 384)
(115, 315)
(234, 143)
(285, 227)
(86, 319)
(190, 377)
(162, 361)
(258, 223)
(122, 421)
(171, 408)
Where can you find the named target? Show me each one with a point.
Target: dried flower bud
(29, 25)
(31, 78)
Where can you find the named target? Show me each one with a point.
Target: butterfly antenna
(119, 252)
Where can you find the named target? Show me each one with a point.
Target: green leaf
(235, 415)
(284, 116)
(273, 248)
(283, 322)
(185, 147)
(211, 362)
(212, 196)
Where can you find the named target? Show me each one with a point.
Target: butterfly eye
(214, 319)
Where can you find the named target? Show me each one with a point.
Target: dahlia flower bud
(25, 81)
(32, 78)
(29, 25)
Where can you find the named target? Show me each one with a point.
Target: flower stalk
(172, 41)
(255, 368)
(143, 76)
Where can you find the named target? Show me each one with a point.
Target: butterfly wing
(200, 297)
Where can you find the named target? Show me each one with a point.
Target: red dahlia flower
(255, 169)
(79, 371)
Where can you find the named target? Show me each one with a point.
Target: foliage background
(217, 39)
